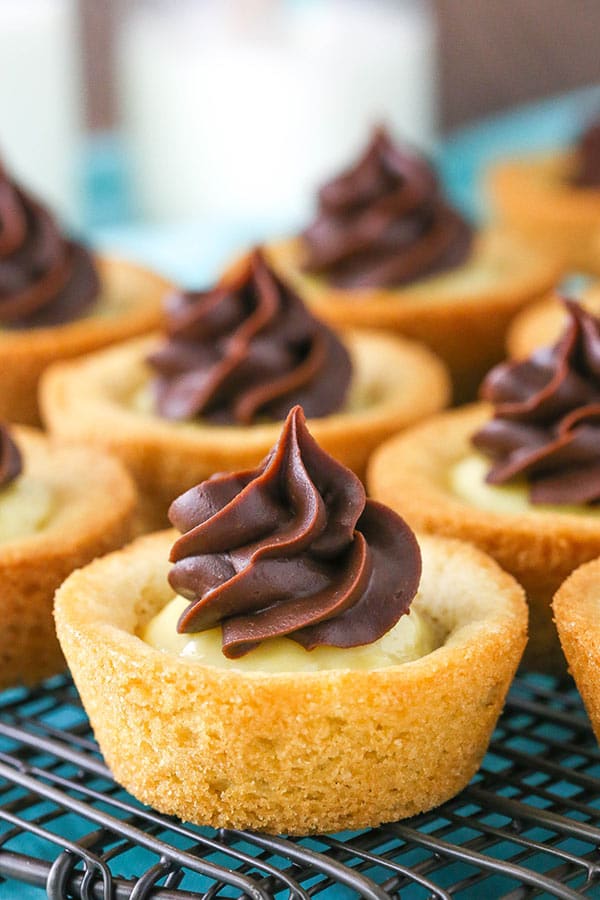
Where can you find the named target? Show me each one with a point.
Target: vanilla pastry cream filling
(486, 264)
(476, 275)
(472, 277)
(108, 305)
(361, 395)
(467, 481)
(413, 637)
(25, 507)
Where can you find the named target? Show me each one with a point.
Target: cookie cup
(92, 507)
(477, 300)
(298, 752)
(541, 324)
(576, 615)
(130, 304)
(411, 473)
(395, 383)
(536, 197)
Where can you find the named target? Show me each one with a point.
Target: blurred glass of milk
(238, 109)
(39, 99)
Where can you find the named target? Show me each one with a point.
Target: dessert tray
(527, 826)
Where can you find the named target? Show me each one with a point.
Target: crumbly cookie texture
(576, 607)
(97, 400)
(541, 324)
(292, 752)
(130, 305)
(411, 473)
(93, 503)
(536, 198)
(462, 315)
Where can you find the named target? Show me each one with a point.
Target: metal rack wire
(527, 826)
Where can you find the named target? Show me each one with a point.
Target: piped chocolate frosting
(11, 462)
(588, 157)
(546, 423)
(292, 548)
(45, 279)
(247, 350)
(384, 222)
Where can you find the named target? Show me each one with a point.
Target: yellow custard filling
(483, 270)
(361, 395)
(25, 507)
(411, 638)
(467, 481)
(108, 305)
(474, 276)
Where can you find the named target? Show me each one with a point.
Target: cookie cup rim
(166, 458)
(538, 325)
(87, 507)
(485, 645)
(536, 187)
(575, 608)
(539, 548)
(394, 308)
(95, 504)
(90, 331)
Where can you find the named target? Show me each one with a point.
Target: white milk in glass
(39, 98)
(239, 108)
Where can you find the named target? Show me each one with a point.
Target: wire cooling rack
(527, 826)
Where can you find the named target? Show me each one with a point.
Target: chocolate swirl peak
(45, 279)
(588, 157)
(11, 463)
(384, 222)
(292, 548)
(546, 422)
(247, 350)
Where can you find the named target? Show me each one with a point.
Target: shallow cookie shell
(541, 324)
(396, 382)
(132, 305)
(462, 315)
(410, 473)
(576, 607)
(534, 197)
(94, 508)
(301, 752)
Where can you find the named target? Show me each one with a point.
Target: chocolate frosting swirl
(45, 279)
(292, 548)
(246, 350)
(588, 157)
(385, 222)
(11, 462)
(546, 421)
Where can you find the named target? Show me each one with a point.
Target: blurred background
(172, 111)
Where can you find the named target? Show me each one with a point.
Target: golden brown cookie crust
(94, 503)
(86, 400)
(297, 752)
(541, 324)
(440, 311)
(26, 353)
(576, 615)
(535, 197)
(410, 474)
